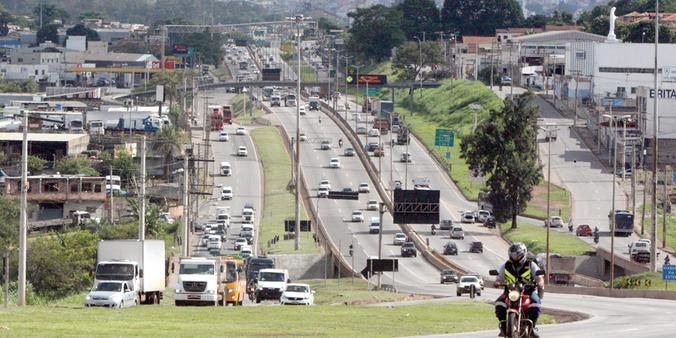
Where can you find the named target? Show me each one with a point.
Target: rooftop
(519, 30)
(551, 37)
(478, 39)
(41, 137)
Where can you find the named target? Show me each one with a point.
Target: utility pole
(381, 211)
(163, 33)
(142, 194)
(653, 230)
(23, 220)
(492, 65)
(186, 232)
(549, 184)
(110, 182)
(577, 83)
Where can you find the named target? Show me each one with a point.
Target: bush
(74, 165)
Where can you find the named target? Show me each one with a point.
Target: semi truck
(141, 263)
(382, 124)
(227, 114)
(216, 117)
(403, 136)
(210, 281)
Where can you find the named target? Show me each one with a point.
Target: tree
(472, 17)
(167, 142)
(407, 61)
(123, 164)
(154, 227)
(73, 165)
(26, 86)
(62, 264)
(36, 164)
(48, 33)
(368, 43)
(327, 25)
(418, 17)
(49, 14)
(503, 147)
(81, 30)
(634, 33)
(5, 19)
(9, 222)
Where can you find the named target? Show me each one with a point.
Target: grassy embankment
(238, 110)
(637, 282)
(278, 201)
(69, 317)
(647, 223)
(221, 72)
(535, 238)
(306, 71)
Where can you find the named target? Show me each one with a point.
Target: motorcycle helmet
(517, 253)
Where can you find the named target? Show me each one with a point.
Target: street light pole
(653, 230)
(381, 211)
(23, 218)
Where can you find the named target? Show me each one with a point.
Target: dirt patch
(565, 316)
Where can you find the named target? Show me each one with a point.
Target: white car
(240, 131)
(226, 193)
(465, 283)
(323, 192)
(364, 187)
(335, 163)
(399, 238)
(299, 294)
(325, 184)
(406, 157)
(111, 294)
(374, 132)
(241, 151)
(467, 217)
(246, 251)
(223, 136)
(357, 216)
(372, 205)
(457, 233)
(240, 242)
(302, 110)
(303, 137)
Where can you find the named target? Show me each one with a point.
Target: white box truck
(142, 263)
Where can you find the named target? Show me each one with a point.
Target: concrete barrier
(617, 293)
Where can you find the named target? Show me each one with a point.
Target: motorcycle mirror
(540, 273)
(493, 272)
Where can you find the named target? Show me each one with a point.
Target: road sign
(344, 195)
(669, 272)
(373, 91)
(371, 79)
(416, 206)
(349, 79)
(444, 137)
(290, 225)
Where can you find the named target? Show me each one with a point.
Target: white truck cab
(197, 282)
(270, 283)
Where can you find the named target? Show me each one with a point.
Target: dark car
(446, 224)
(476, 247)
(408, 249)
(490, 222)
(584, 230)
(348, 190)
(448, 276)
(450, 248)
(348, 152)
(372, 146)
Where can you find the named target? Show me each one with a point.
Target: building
(506, 34)
(57, 196)
(666, 132)
(49, 146)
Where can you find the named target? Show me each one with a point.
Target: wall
(305, 266)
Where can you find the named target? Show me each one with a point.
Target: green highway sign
(444, 138)
(373, 91)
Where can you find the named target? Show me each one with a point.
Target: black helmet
(517, 252)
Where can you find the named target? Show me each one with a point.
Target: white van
(247, 230)
(226, 169)
(247, 215)
(223, 219)
(374, 228)
(214, 242)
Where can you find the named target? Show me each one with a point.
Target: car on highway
(457, 233)
(348, 152)
(446, 224)
(482, 215)
(467, 217)
(241, 151)
(325, 184)
(246, 251)
(364, 187)
(240, 131)
(399, 238)
(240, 242)
(301, 110)
(325, 145)
(357, 117)
(448, 276)
(226, 193)
(554, 222)
(223, 136)
(357, 216)
(323, 192)
(450, 248)
(374, 227)
(374, 132)
(361, 130)
(334, 163)
(584, 230)
(490, 222)
(408, 250)
(297, 294)
(303, 137)
(114, 294)
(372, 146)
(465, 283)
(372, 205)
(476, 247)
(379, 152)
(478, 276)
(406, 157)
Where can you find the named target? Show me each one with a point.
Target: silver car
(116, 294)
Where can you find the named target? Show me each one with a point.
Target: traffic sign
(444, 137)
(373, 91)
(669, 272)
(349, 79)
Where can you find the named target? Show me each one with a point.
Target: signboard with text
(370, 79)
(669, 272)
(444, 138)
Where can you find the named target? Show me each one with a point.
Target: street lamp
(298, 20)
(613, 125)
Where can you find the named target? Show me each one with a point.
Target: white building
(666, 122)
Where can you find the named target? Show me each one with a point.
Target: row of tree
(596, 21)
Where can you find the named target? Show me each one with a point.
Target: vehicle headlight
(513, 296)
(177, 291)
(231, 290)
(210, 291)
(88, 297)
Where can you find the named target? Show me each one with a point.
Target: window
(37, 72)
(621, 92)
(97, 188)
(51, 187)
(633, 90)
(627, 70)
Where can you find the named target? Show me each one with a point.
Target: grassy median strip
(251, 111)
(279, 201)
(348, 291)
(535, 238)
(449, 106)
(645, 281)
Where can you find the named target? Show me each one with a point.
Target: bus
(267, 92)
(624, 222)
(235, 282)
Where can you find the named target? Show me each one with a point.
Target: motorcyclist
(518, 266)
(667, 260)
(340, 143)
(434, 229)
(351, 250)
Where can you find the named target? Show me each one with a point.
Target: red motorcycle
(518, 301)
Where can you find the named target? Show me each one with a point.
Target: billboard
(271, 74)
(290, 225)
(380, 265)
(180, 48)
(416, 206)
(344, 195)
(371, 79)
